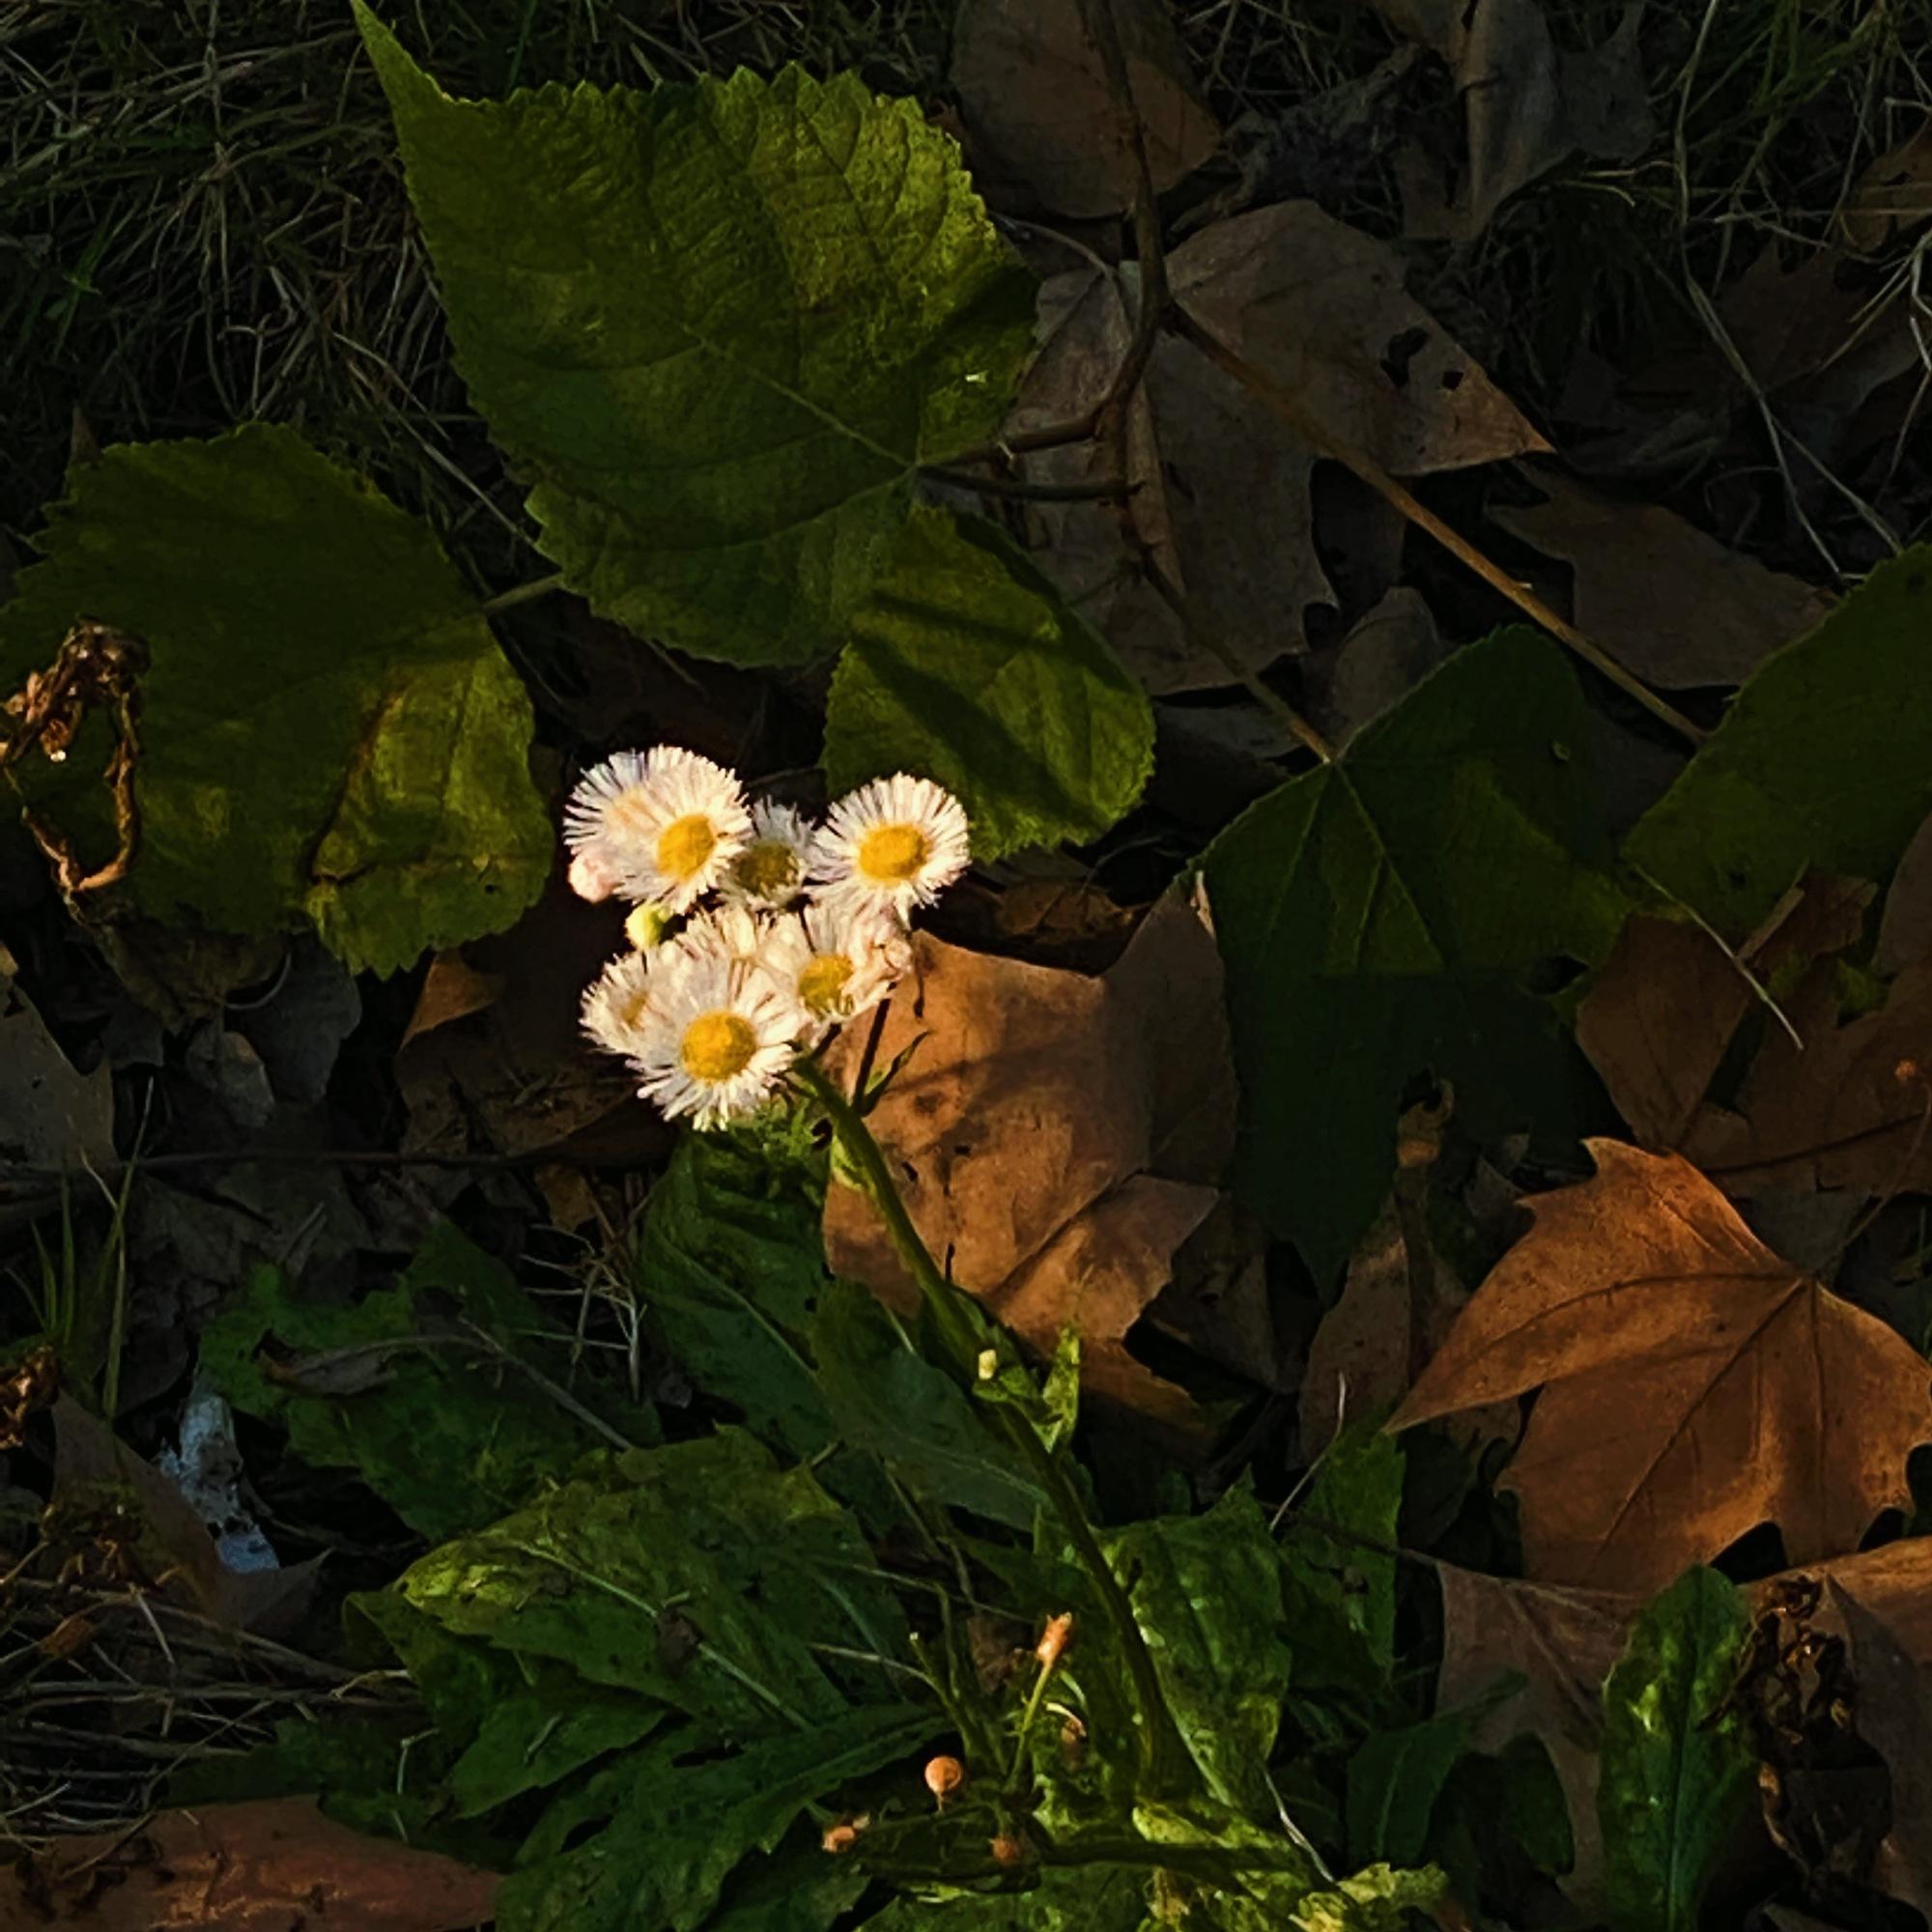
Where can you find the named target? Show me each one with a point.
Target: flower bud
(1054, 1638)
(943, 1776)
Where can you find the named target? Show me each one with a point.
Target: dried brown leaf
(1057, 1137)
(1905, 926)
(51, 1113)
(1222, 490)
(1852, 1110)
(1891, 198)
(1693, 1385)
(1527, 105)
(267, 1866)
(1662, 1011)
(1036, 103)
(1564, 1642)
(1723, 612)
(1880, 1603)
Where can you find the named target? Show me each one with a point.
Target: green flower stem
(1167, 1769)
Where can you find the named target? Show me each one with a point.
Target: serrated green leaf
(451, 1430)
(542, 1732)
(1338, 1590)
(1821, 763)
(731, 1264)
(1205, 1592)
(968, 666)
(699, 1574)
(1675, 1779)
(1377, 915)
(796, 1889)
(718, 328)
(684, 1821)
(915, 1418)
(328, 731)
(1376, 1899)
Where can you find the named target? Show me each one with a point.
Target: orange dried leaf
(243, 1869)
(1695, 1385)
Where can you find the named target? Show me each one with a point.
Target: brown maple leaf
(1057, 1138)
(1694, 1384)
(1852, 1110)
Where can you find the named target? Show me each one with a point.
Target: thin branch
(521, 593)
(1101, 490)
(1215, 646)
(1290, 409)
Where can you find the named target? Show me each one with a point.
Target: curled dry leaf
(1879, 1603)
(1662, 1008)
(261, 1866)
(1034, 94)
(1694, 1384)
(1892, 198)
(1563, 1642)
(1057, 1137)
(1527, 105)
(1852, 1110)
(1221, 490)
(1724, 613)
(51, 1115)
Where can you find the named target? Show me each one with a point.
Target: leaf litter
(688, 1521)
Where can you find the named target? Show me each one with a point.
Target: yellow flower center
(892, 854)
(718, 1046)
(766, 869)
(685, 845)
(822, 983)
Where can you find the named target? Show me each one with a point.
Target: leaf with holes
(329, 733)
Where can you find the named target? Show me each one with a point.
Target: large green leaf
(968, 666)
(731, 1264)
(699, 1574)
(1676, 1779)
(716, 327)
(328, 731)
(1376, 916)
(1824, 761)
(446, 1392)
(912, 1416)
(1205, 1592)
(689, 1817)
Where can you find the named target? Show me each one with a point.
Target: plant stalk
(1167, 1769)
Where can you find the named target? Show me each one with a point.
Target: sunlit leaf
(716, 327)
(329, 733)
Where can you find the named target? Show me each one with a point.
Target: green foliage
(1376, 916)
(328, 733)
(1207, 1593)
(914, 1418)
(686, 1817)
(1676, 1777)
(967, 665)
(1821, 762)
(731, 1264)
(432, 1390)
(1396, 1777)
(699, 1575)
(717, 329)
(1339, 1589)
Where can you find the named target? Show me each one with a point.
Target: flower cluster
(755, 932)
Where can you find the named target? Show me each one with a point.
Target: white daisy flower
(616, 1003)
(836, 960)
(770, 872)
(718, 1036)
(894, 843)
(732, 932)
(663, 823)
